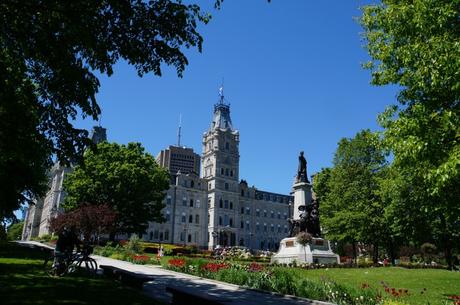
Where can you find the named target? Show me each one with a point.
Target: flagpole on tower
(179, 131)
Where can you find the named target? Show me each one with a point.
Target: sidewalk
(231, 294)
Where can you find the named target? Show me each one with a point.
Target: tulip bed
(340, 286)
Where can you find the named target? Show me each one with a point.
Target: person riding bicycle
(67, 240)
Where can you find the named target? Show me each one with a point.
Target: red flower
(177, 262)
(255, 267)
(140, 258)
(214, 267)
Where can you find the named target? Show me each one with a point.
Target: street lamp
(215, 236)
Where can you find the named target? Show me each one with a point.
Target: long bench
(129, 278)
(184, 295)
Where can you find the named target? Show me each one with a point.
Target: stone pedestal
(302, 196)
(318, 252)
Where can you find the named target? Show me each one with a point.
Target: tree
(89, 220)
(414, 44)
(126, 178)
(49, 52)
(15, 231)
(351, 209)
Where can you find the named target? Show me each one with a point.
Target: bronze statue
(308, 222)
(302, 170)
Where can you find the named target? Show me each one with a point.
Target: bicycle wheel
(91, 265)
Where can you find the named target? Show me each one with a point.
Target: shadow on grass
(23, 280)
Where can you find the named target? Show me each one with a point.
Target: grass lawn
(438, 283)
(24, 281)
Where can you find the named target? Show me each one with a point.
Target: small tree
(89, 220)
(126, 178)
(304, 239)
(14, 231)
(428, 251)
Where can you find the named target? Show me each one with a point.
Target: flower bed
(275, 279)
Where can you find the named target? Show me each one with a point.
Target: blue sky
(292, 74)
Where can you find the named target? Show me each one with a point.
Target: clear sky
(292, 74)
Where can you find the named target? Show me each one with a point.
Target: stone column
(302, 197)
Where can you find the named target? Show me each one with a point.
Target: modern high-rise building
(176, 158)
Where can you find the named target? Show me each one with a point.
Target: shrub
(282, 282)
(232, 275)
(134, 244)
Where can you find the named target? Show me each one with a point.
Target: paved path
(232, 294)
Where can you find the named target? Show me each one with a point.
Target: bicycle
(66, 263)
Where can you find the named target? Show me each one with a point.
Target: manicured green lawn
(24, 281)
(438, 283)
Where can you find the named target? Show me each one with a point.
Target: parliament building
(208, 209)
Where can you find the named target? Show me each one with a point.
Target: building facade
(38, 216)
(217, 208)
(209, 209)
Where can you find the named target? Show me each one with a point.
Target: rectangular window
(226, 204)
(184, 201)
(258, 213)
(168, 200)
(248, 211)
(198, 203)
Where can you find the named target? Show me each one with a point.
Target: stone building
(218, 208)
(213, 208)
(38, 216)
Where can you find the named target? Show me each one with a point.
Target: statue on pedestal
(302, 170)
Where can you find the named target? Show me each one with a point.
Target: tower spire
(179, 131)
(221, 92)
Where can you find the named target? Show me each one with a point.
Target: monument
(305, 218)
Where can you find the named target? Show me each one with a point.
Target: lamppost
(215, 236)
(185, 233)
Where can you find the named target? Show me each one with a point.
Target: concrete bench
(129, 278)
(185, 295)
